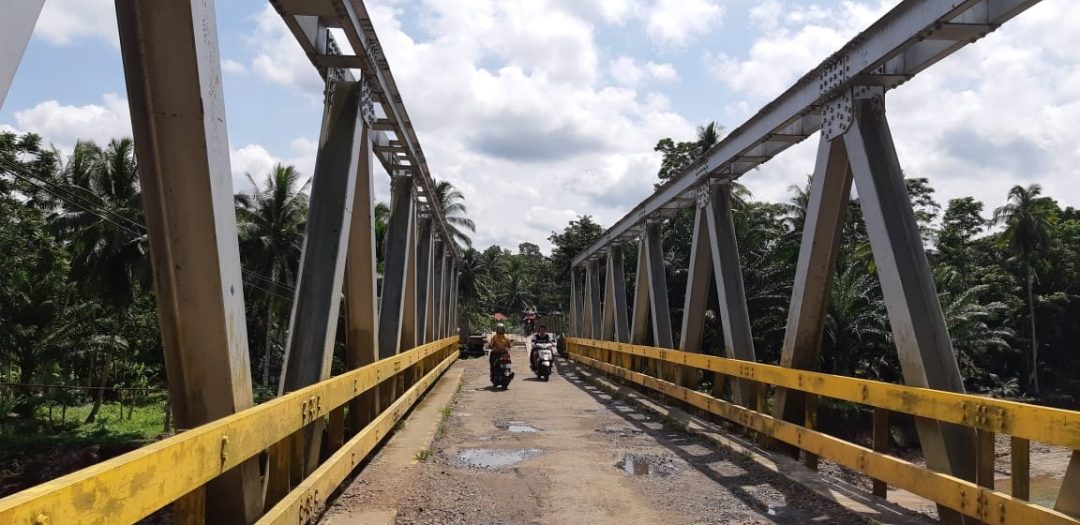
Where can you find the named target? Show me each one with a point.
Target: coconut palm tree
(451, 203)
(1027, 218)
(270, 223)
(103, 221)
(856, 321)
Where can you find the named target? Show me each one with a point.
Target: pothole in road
(618, 431)
(639, 465)
(515, 427)
(497, 458)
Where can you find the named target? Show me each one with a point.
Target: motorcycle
(544, 357)
(501, 373)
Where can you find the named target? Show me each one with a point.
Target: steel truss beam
(16, 26)
(399, 242)
(594, 299)
(727, 271)
(438, 283)
(309, 21)
(909, 38)
(361, 283)
(423, 279)
(830, 191)
(314, 319)
(615, 296)
(173, 73)
(918, 325)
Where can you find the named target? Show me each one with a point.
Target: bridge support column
(738, 339)
(830, 191)
(314, 320)
(448, 297)
(173, 73)
(616, 294)
(409, 298)
(423, 280)
(918, 325)
(361, 284)
(399, 242)
(575, 303)
(698, 280)
(438, 281)
(16, 26)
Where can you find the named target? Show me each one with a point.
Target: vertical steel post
(617, 284)
(586, 301)
(454, 281)
(409, 303)
(658, 292)
(314, 320)
(830, 190)
(423, 280)
(398, 245)
(439, 267)
(607, 331)
(172, 70)
(918, 325)
(596, 328)
(575, 303)
(361, 282)
(447, 298)
(698, 280)
(639, 322)
(738, 340)
(16, 26)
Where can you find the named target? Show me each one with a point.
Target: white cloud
(232, 66)
(63, 21)
(796, 38)
(628, 72)
(279, 58)
(63, 125)
(676, 22)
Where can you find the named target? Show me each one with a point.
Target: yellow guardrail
(1049, 425)
(130, 487)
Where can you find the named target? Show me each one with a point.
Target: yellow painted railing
(130, 487)
(986, 415)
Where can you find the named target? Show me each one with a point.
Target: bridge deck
(574, 470)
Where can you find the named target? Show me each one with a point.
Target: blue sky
(541, 110)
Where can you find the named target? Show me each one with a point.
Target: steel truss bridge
(401, 339)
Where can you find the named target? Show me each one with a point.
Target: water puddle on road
(497, 458)
(516, 427)
(636, 465)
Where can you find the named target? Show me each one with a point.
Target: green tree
(270, 222)
(451, 202)
(574, 239)
(103, 221)
(1028, 218)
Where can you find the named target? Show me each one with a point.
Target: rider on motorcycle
(540, 337)
(499, 344)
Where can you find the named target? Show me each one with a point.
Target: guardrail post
(830, 191)
(738, 340)
(172, 69)
(810, 406)
(918, 325)
(1020, 473)
(361, 296)
(984, 454)
(16, 26)
(881, 444)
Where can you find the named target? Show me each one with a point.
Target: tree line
(76, 299)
